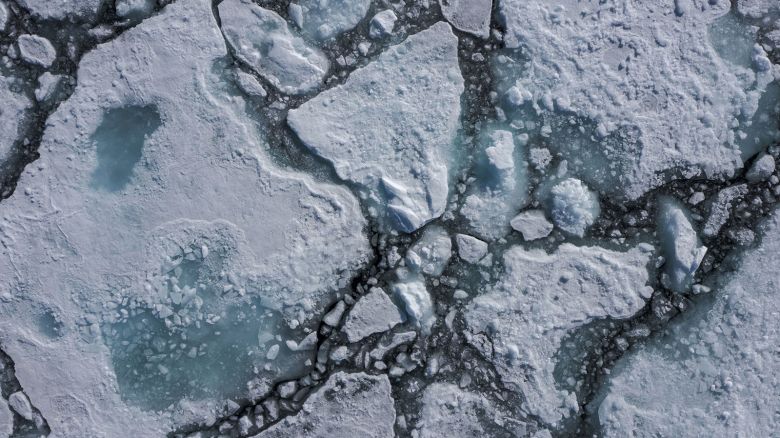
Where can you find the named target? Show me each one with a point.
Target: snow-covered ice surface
(378, 218)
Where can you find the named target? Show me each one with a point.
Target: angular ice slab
(348, 405)
(541, 298)
(261, 38)
(152, 254)
(646, 76)
(680, 245)
(472, 16)
(374, 313)
(716, 372)
(389, 128)
(323, 20)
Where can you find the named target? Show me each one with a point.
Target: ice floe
(373, 313)
(680, 245)
(36, 50)
(472, 16)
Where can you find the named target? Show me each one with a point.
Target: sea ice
(323, 20)
(47, 86)
(417, 302)
(374, 313)
(572, 206)
(542, 297)
(166, 250)
(472, 16)
(720, 210)
(134, 8)
(761, 169)
(532, 224)
(654, 94)
(382, 24)
(431, 253)
(19, 402)
(261, 39)
(3, 16)
(13, 116)
(348, 405)
(250, 85)
(470, 249)
(36, 50)
(390, 126)
(714, 371)
(81, 10)
(6, 420)
(679, 244)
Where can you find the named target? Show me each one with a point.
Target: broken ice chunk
(720, 210)
(417, 303)
(250, 85)
(532, 224)
(572, 206)
(540, 299)
(36, 50)
(3, 16)
(470, 249)
(6, 420)
(431, 253)
(374, 313)
(390, 126)
(382, 24)
(80, 10)
(333, 317)
(326, 19)
(47, 86)
(680, 245)
(472, 16)
(13, 116)
(262, 39)
(761, 169)
(347, 405)
(19, 402)
(134, 8)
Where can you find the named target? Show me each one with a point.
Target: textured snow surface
(452, 412)
(472, 16)
(543, 296)
(137, 205)
(81, 10)
(348, 405)
(716, 372)
(390, 126)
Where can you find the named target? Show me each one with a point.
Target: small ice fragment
(472, 16)
(333, 317)
(339, 354)
(532, 224)
(470, 249)
(19, 402)
(272, 352)
(696, 198)
(134, 8)
(680, 245)
(382, 24)
(417, 303)
(373, 313)
(432, 252)
(573, 207)
(296, 14)
(47, 86)
(250, 85)
(36, 50)
(762, 169)
(720, 209)
(323, 20)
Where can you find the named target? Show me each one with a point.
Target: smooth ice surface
(390, 126)
(658, 94)
(472, 16)
(184, 269)
(540, 298)
(715, 371)
(680, 245)
(36, 50)
(82, 10)
(13, 115)
(323, 20)
(348, 405)
(374, 313)
(448, 411)
(262, 39)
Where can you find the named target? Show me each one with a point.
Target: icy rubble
(761, 169)
(680, 245)
(36, 50)
(646, 74)
(323, 20)
(431, 253)
(721, 207)
(79, 10)
(348, 405)
(472, 16)
(389, 128)
(542, 297)
(715, 372)
(260, 38)
(142, 225)
(416, 301)
(501, 186)
(13, 116)
(374, 313)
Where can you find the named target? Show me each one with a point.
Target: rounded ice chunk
(573, 207)
(382, 24)
(36, 50)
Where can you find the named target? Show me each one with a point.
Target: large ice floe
(715, 371)
(390, 127)
(153, 255)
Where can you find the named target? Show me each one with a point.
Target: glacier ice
(572, 206)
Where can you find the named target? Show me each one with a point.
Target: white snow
(431, 253)
(81, 10)
(572, 206)
(261, 38)
(382, 24)
(542, 297)
(532, 224)
(348, 405)
(472, 16)
(680, 245)
(417, 302)
(373, 313)
(323, 20)
(390, 127)
(19, 402)
(716, 371)
(470, 249)
(37, 50)
(105, 241)
(761, 169)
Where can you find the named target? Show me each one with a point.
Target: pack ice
(389, 128)
(153, 257)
